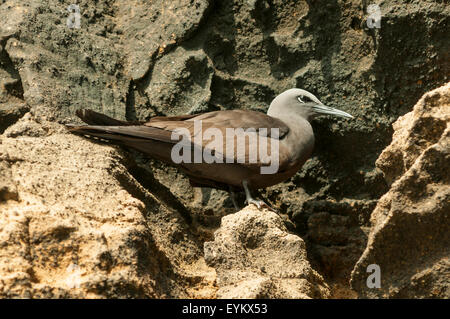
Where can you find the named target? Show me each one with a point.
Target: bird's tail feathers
(91, 117)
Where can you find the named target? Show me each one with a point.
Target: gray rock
(181, 82)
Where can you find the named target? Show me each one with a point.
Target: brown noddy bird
(286, 126)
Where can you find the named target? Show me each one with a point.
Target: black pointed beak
(323, 109)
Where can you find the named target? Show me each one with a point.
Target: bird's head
(298, 101)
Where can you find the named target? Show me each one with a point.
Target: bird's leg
(250, 200)
(233, 198)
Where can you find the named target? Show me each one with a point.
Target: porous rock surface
(75, 224)
(410, 236)
(137, 59)
(255, 257)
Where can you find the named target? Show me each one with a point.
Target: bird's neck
(292, 119)
(300, 137)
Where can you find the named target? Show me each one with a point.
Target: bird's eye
(303, 99)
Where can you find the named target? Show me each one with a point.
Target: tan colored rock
(113, 63)
(255, 257)
(415, 132)
(75, 223)
(410, 237)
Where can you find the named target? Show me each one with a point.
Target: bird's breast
(300, 141)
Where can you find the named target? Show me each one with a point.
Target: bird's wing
(250, 138)
(235, 119)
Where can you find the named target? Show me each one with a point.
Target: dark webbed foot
(250, 200)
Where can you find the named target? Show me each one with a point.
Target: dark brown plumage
(289, 113)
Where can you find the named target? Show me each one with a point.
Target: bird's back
(155, 138)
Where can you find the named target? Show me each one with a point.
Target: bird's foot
(233, 200)
(260, 204)
(250, 200)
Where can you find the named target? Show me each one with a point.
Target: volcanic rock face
(123, 225)
(255, 257)
(75, 223)
(410, 236)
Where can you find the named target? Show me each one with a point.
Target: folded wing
(237, 136)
